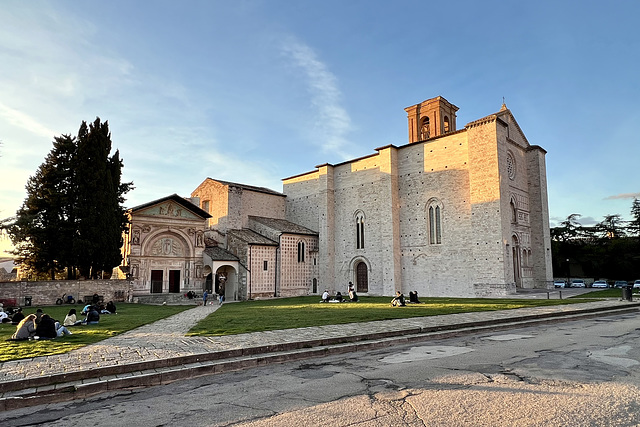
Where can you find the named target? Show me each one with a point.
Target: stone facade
(163, 248)
(452, 213)
(273, 256)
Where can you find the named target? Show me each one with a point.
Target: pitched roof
(251, 237)
(178, 199)
(283, 225)
(216, 253)
(248, 187)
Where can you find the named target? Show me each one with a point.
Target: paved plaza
(166, 338)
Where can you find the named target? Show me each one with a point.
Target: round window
(511, 166)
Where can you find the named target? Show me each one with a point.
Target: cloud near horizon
(623, 196)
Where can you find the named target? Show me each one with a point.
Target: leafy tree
(73, 215)
(610, 227)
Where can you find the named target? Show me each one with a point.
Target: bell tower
(431, 118)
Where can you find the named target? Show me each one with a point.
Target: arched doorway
(208, 282)
(515, 251)
(362, 277)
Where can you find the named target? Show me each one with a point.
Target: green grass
(287, 313)
(129, 316)
(605, 293)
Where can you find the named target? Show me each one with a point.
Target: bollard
(560, 292)
(548, 295)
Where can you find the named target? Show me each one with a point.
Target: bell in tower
(431, 118)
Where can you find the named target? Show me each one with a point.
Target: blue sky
(256, 91)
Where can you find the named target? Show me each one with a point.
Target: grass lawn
(129, 316)
(287, 313)
(606, 293)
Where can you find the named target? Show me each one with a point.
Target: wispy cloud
(24, 121)
(333, 122)
(623, 196)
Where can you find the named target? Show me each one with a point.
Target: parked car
(636, 284)
(559, 283)
(577, 283)
(620, 284)
(600, 284)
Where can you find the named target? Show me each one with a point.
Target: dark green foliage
(73, 215)
(609, 250)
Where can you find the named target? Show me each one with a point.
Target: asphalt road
(579, 373)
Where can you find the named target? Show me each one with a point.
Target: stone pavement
(166, 338)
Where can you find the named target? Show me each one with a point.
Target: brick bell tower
(431, 118)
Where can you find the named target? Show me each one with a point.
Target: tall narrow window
(435, 224)
(446, 124)
(265, 266)
(300, 251)
(438, 226)
(360, 231)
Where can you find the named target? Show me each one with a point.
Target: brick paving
(166, 338)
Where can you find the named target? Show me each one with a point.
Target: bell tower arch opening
(431, 118)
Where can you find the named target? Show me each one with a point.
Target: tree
(610, 227)
(73, 215)
(42, 230)
(634, 225)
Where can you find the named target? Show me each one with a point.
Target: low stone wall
(46, 292)
(484, 290)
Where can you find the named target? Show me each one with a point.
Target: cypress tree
(73, 216)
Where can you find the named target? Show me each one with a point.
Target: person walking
(205, 294)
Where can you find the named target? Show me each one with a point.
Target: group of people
(38, 326)
(399, 301)
(42, 326)
(353, 297)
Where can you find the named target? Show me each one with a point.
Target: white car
(636, 284)
(559, 283)
(578, 283)
(600, 284)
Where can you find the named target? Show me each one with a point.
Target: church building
(452, 213)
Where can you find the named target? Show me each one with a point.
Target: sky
(254, 91)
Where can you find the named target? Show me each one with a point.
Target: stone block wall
(46, 292)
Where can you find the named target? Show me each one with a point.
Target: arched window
(359, 230)
(446, 124)
(425, 129)
(435, 223)
(300, 251)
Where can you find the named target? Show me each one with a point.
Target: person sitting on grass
(353, 297)
(26, 328)
(70, 319)
(398, 301)
(325, 296)
(17, 317)
(338, 297)
(413, 297)
(46, 328)
(93, 317)
(111, 307)
(85, 310)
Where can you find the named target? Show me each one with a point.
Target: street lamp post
(568, 273)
